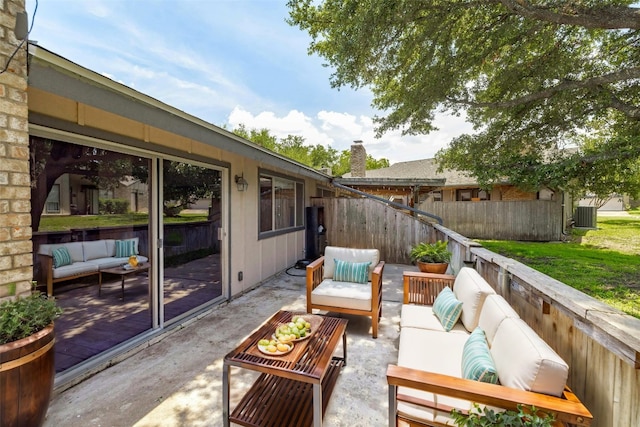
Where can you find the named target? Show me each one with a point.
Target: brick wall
(15, 220)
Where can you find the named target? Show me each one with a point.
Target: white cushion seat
(74, 248)
(470, 288)
(74, 269)
(422, 317)
(332, 253)
(494, 310)
(351, 295)
(419, 349)
(95, 249)
(525, 361)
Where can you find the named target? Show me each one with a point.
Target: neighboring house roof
(128, 181)
(425, 169)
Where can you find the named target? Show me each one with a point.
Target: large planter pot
(27, 372)
(428, 267)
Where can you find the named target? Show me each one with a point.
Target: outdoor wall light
(241, 182)
(21, 29)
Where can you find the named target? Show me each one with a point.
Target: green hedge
(113, 206)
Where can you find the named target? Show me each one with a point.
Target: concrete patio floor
(178, 380)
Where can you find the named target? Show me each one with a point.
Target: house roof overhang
(391, 182)
(54, 74)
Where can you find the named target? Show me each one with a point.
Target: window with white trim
(281, 203)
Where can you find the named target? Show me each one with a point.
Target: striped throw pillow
(477, 363)
(61, 256)
(447, 308)
(345, 271)
(125, 248)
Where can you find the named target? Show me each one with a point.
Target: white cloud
(239, 64)
(332, 121)
(293, 123)
(97, 8)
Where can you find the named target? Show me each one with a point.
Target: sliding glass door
(103, 204)
(81, 206)
(191, 249)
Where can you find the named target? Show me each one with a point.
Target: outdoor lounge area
(179, 380)
(97, 317)
(92, 144)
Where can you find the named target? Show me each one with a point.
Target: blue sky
(227, 62)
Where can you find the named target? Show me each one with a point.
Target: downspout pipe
(388, 202)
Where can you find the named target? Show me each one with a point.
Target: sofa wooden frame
(423, 288)
(315, 273)
(46, 266)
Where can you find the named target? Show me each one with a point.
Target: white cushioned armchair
(338, 282)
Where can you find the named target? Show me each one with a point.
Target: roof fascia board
(48, 127)
(436, 182)
(52, 73)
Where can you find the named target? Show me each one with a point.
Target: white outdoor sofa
(428, 381)
(87, 258)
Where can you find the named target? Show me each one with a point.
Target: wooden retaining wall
(600, 344)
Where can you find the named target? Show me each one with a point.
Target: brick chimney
(358, 160)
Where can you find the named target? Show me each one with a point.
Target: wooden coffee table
(293, 389)
(123, 273)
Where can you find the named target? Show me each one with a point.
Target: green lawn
(603, 263)
(63, 223)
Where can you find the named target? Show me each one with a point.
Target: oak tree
(316, 156)
(533, 76)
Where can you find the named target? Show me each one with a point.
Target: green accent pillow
(447, 308)
(61, 256)
(125, 248)
(345, 271)
(477, 363)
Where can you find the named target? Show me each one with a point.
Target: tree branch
(618, 76)
(604, 17)
(629, 110)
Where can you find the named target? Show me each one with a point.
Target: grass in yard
(603, 263)
(63, 223)
(618, 233)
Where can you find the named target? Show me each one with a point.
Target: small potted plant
(431, 257)
(27, 358)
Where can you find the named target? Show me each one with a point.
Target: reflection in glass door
(80, 205)
(191, 217)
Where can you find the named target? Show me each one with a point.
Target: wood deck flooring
(91, 324)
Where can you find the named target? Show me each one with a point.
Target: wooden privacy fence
(600, 344)
(535, 220)
(365, 223)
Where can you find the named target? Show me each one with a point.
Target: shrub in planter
(26, 359)
(525, 416)
(431, 253)
(25, 316)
